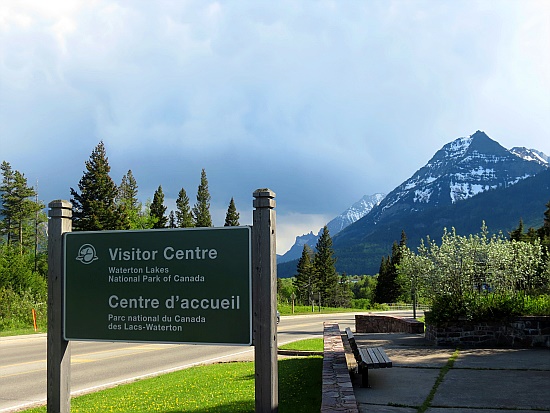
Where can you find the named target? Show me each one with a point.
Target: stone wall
(519, 332)
(387, 324)
(338, 394)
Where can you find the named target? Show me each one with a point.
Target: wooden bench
(367, 358)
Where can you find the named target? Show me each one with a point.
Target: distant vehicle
(278, 316)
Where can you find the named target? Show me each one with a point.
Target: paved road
(95, 365)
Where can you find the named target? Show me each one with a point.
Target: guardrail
(399, 306)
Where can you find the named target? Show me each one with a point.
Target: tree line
(316, 278)
(23, 260)
(521, 261)
(22, 232)
(99, 204)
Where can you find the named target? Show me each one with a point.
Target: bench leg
(365, 377)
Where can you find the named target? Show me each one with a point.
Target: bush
(538, 305)
(363, 303)
(16, 309)
(491, 306)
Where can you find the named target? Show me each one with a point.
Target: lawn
(223, 387)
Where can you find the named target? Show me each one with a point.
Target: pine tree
(325, 270)
(172, 220)
(389, 287)
(184, 216)
(517, 234)
(345, 294)
(128, 191)
(95, 208)
(305, 280)
(544, 231)
(201, 210)
(381, 292)
(19, 208)
(158, 209)
(7, 188)
(127, 198)
(232, 216)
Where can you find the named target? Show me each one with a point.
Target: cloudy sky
(321, 101)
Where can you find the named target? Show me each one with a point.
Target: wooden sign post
(59, 349)
(264, 293)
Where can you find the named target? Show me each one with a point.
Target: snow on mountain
(348, 217)
(355, 212)
(460, 170)
(531, 155)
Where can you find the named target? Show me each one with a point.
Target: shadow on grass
(233, 407)
(300, 382)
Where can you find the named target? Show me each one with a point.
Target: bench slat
(369, 357)
(383, 357)
(366, 359)
(374, 356)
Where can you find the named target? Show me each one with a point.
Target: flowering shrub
(478, 277)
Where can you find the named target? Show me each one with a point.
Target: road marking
(86, 358)
(128, 380)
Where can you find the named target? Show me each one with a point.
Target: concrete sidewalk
(481, 380)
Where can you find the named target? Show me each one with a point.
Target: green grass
(21, 331)
(286, 309)
(310, 344)
(225, 387)
(444, 370)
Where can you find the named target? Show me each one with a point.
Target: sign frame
(126, 252)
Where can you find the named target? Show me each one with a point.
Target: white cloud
(322, 102)
(289, 226)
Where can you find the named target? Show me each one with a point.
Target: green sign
(173, 286)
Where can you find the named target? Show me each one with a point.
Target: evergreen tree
(95, 208)
(19, 209)
(517, 234)
(389, 288)
(158, 209)
(172, 220)
(201, 210)
(544, 234)
(325, 270)
(305, 280)
(7, 188)
(232, 216)
(381, 292)
(127, 198)
(544, 231)
(128, 191)
(345, 293)
(184, 216)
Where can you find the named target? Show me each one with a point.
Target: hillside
(467, 182)
(359, 247)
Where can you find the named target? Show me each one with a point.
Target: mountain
(531, 155)
(458, 171)
(500, 209)
(355, 212)
(349, 216)
(466, 182)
